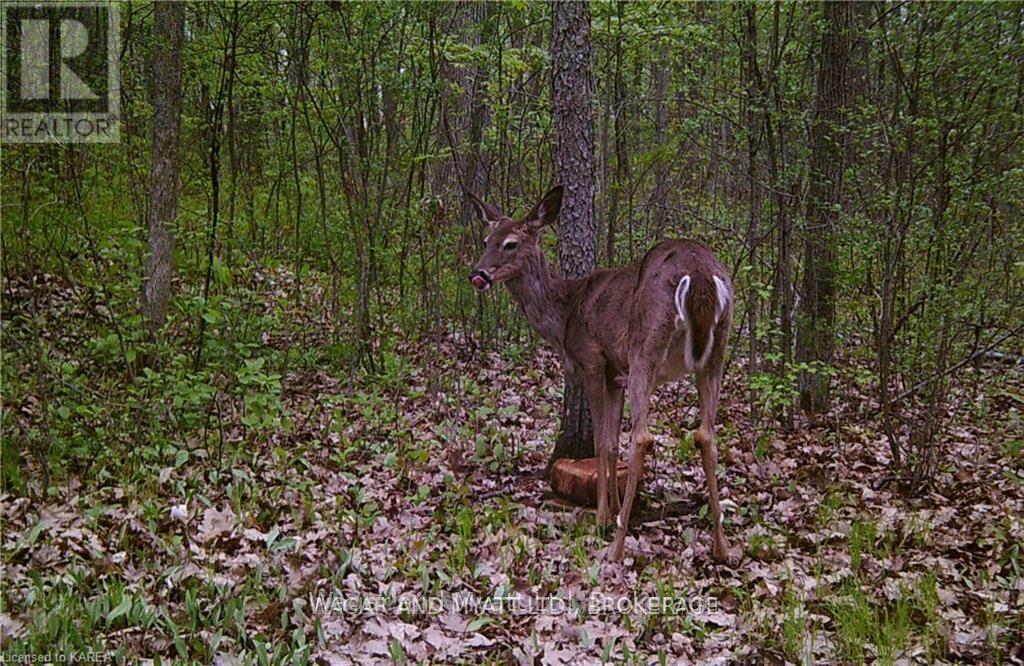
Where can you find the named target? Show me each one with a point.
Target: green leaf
(397, 653)
(122, 609)
(479, 623)
(287, 543)
(606, 654)
(33, 535)
(221, 273)
(179, 645)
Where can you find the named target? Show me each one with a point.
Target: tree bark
(475, 176)
(754, 123)
(661, 75)
(168, 29)
(775, 135)
(816, 317)
(621, 153)
(571, 84)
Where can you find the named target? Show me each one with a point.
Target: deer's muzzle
(482, 281)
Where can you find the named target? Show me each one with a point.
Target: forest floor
(406, 520)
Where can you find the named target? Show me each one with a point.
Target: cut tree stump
(576, 480)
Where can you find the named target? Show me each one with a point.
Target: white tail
(723, 296)
(684, 286)
(722, 302)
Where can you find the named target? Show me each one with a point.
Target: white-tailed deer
(636, 327)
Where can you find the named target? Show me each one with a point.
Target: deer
(621, 331)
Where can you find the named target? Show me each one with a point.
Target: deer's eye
(509, 246)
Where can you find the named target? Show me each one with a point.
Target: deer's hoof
(722, 554)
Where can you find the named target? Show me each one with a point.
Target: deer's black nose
(480, 279)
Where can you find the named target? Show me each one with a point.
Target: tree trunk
(774, 132)
(661, 167)
(816, 318)
(168, 29)
(621, 153)
(754, 122)
(574, 169)
(475, 176)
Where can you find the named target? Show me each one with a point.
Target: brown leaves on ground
(382, 501)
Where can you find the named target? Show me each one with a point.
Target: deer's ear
(546, 210)
(488, 214)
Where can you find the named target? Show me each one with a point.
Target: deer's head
(509, 242)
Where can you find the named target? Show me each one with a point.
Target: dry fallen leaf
(214, 524)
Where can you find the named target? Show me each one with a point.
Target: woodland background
(243, 363)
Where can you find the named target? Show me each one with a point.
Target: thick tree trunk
(574, 169)
(168, 29)
(816, 317)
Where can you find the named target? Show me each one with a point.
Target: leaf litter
(401, 520)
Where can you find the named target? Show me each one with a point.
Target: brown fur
(700, 308)
(620, 323)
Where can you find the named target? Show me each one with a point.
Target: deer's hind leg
(709, 383)
(613, 427)
(597, 400)
(641, 386)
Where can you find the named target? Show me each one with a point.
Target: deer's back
(634, 305)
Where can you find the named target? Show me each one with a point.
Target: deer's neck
(544, 297)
